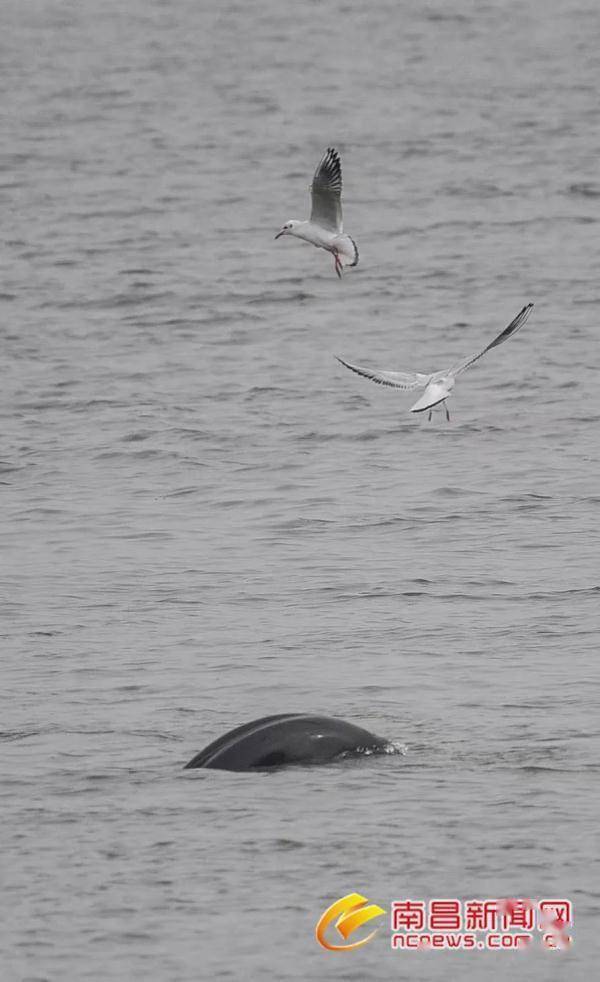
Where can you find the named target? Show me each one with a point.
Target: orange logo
(351, 914)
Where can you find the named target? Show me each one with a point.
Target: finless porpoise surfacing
(289, 738)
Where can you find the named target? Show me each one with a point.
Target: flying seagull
(438, 385)
(325, 228)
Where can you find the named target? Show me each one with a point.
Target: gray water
(206, 519)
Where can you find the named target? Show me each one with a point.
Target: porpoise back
(287, 738)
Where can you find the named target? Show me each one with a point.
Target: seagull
(325, 228)
(438, 385)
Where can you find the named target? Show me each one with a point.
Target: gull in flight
(325, 228)
(438, 385)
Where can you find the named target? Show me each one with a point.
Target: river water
(206, 519)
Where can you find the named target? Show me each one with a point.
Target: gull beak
(279, 234)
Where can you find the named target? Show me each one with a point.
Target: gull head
(288, 228)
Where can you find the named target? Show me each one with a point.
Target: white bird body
(333, 242)
(325, 228)
(438, 389)
(438, 386)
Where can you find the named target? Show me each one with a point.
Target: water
(206, 519)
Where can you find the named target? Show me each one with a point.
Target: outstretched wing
(508, 332)
(398, 380)
(326, 192)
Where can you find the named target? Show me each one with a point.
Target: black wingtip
(332, 157)
(331, 166)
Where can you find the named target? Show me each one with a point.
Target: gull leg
(447, 413)
(338, 265)
(430, 415)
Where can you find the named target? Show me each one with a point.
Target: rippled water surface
(206, 519)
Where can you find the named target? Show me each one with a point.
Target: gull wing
(398, 380)
(508, 332)
(326, 192)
